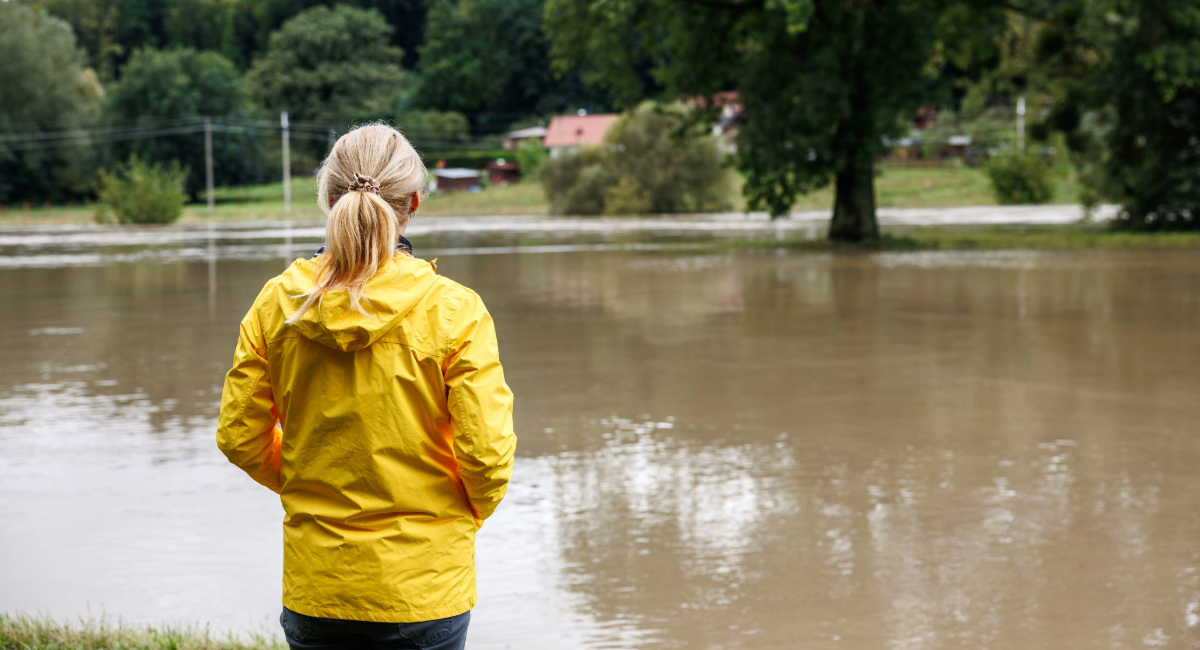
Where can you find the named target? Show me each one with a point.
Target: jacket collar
(402, 246)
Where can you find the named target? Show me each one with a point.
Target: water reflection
(751, 450)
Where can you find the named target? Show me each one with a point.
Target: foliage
(577, 184)
(45, 86)
(1122, 80)
(238, 29)
(330, 65)
(649, 163)
(178, 84)
(490, 59)
(531, 156)
(434, 129)
(1152, 89)
(822, 83)
(1020, 179)
(142, 193)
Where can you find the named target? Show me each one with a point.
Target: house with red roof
(567, 133)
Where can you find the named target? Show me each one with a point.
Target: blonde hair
(365, 187)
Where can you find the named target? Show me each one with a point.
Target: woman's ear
(414, 204)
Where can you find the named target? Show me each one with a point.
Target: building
(567, 133)
(455, 179)
(726, 129)
(515, 139)
(502, 172)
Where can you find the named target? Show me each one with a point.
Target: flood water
(747, 449)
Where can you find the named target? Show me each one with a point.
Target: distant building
(455, 179)
(515, 139)
(567, 133)
(732, 112)
(503, 172)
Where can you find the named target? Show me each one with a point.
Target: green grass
(931, 187)
(896, 187)
(958, 238)
(33, 633)
(265, 203)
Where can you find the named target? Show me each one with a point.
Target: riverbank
(896, 187)
(19, 632)
(1069, 237)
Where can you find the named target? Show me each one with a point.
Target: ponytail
(360, 237)
(365, 212)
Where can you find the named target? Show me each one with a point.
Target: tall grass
(19, 632)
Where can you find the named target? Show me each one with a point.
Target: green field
(896, 187)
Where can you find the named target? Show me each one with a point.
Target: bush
(1020, 179)
(650, 163)
(531, 155)
(142, 193)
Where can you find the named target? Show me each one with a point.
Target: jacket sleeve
(246, 431)
(481, 407)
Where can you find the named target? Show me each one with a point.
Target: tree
(175, 85)
(1150, 160)
(488, 56)
(330, 65)
(111, 30)
(46, 87)
(823, 83)
(256, 20)
(1121, 80)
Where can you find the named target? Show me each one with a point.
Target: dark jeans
(311, 633)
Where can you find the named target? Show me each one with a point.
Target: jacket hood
(391, 293)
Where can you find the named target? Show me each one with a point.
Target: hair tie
(362, 183)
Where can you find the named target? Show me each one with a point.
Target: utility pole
(1021, 125)
(287, 166)
(332, 140)
(208, 164)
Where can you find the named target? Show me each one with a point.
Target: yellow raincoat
(395, 439)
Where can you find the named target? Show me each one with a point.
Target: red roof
(576, 130)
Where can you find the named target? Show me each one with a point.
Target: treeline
(90, 83)
(1113, 84)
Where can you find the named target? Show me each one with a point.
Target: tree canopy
(330, 65)
(110, 30)
(823, 83)
(46, 87)
(171, 86)
(490, 59)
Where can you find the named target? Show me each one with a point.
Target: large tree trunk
(854, 203)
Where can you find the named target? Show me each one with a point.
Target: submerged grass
(19, 632)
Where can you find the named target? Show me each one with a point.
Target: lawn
(896, 187)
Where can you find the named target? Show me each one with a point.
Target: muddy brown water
(753, 449)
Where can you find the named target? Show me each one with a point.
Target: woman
(395, 438)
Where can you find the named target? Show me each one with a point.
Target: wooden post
(208, 164)
(287, 166)
(1021, 126)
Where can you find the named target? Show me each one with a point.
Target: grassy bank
(896, 187)
(930, 187)
(993, 238)
(29, 633)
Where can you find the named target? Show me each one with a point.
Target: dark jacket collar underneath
(402, 246)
